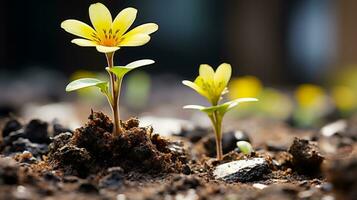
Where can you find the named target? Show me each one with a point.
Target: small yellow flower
(108, 35)
(309, 95)
(247, 86)
(344, 98)
(210, 84)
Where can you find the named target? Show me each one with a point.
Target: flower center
(108, 38)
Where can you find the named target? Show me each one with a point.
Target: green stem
(115, 90)
(216, 120)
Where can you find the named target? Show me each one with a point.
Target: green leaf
(223, 108)
(87, 82)
(195, 107)
(236, 102)
(208, 110)
(120, 71)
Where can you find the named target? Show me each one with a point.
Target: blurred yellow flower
(309, 95)
(247, 86)
(211, 84)
(344, 97)
(108, 35)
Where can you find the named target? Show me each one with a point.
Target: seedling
(245, 147)
(108, 36)
(213, 85)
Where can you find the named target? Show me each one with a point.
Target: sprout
(213, 85)
(109, 36)
(245, 147)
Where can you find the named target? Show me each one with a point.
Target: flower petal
(100, 17)
(206, 72)
(78, 28)
(105, 49)
(222, 76)
(143, 29)
(135, 40)
(195, 87)
(84, 42)
(124, 20)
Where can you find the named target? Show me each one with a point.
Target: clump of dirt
(306, 156)
(93, 148)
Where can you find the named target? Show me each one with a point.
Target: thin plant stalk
(217, 124)
(115, 85)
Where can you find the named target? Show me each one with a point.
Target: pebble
(259, 186)
(10, 126)
(334, 128)
(242, 170)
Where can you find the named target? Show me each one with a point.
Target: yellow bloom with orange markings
(211, 84)
(109, 35)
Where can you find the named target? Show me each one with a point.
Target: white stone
(231, 168)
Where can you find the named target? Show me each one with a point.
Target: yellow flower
(108, 35)
(309, 95)
(211, 84)
(344, 98)
(247, 86)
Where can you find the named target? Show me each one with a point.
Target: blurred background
(297, 56)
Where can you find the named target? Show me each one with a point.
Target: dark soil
(93, 148)
(43, 160)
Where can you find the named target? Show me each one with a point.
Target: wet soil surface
(41, 160)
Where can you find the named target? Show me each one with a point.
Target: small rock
(36, 131)
(306, 156)
(10, 126)
(259, 186)
(334, 128)
(229, 142)
(242, 170)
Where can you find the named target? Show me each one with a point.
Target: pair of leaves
(119, 71)
(222, 108)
